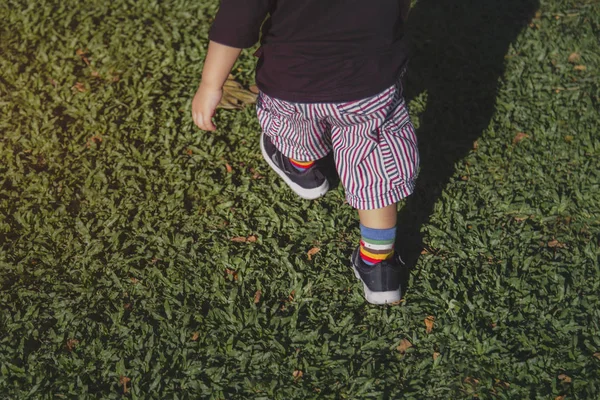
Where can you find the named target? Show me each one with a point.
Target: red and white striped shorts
(373, 142)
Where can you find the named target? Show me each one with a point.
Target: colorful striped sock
(301, 165)
(376, 245)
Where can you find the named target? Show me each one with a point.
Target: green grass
(117, 214)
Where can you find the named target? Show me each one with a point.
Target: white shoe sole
(392, 296)
(307, 194)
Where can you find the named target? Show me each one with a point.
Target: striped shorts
(373, 142)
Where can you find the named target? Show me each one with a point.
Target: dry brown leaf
(96, 139)
(312, 252)
(189, 152)
(195, 336)
(597, 355)
(403, 346)
(257, 296)
(235, 96)
(565, 378)
(519, 136)
(429, 322)
(292, 295)
(580, 68)
(243, 239)
(228, 168)
(561, 397)
(254, 89)
(471, 381)
(503, 384)
(80, 87)
(435, 355)
(464, 178)
(556, 244)
(72, 344)
(123, 381)
(133, 280)
(574, 58)
(297, 374)
(232, 273)
(475, 145)
(424, 251)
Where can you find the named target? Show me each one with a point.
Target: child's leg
(291, 142)
(376, 156)
(379, 218)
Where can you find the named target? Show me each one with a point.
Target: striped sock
(302, 165)
(376, 245)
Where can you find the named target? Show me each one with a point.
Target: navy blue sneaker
(310, 184)
(381, 282)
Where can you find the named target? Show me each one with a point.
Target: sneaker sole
(307, 194)
(379, 298)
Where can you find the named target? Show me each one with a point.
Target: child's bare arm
(217, 66)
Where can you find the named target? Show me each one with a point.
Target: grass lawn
(143, 258)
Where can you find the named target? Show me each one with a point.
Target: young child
(329, 78)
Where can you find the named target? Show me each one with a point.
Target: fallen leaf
(189, 152)
(243, 239)
(429, 321)
(257, 296)
(123, 381)
(133, 280)
(403, 346)
(80, 87)
(574, 58)
(475, 145)
(235, 96)
(471, 381)
(519, 136)
(228, 168)
(556, 244)
(230, 272)
(503, 384)
(565, 378)
(597, 355)
(297, 374)
(254, 89)
(127, 306)
(72, 344)
(464, 178)
(435, 355)
(291, 296)
(195, 336)
(96, 139)
(95, 74)
(580, 68)
(561, 397)
(312, 252)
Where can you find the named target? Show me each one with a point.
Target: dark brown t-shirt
(318, 50)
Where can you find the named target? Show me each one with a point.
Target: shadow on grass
(459, 50)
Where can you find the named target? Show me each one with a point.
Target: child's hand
(204, 105)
